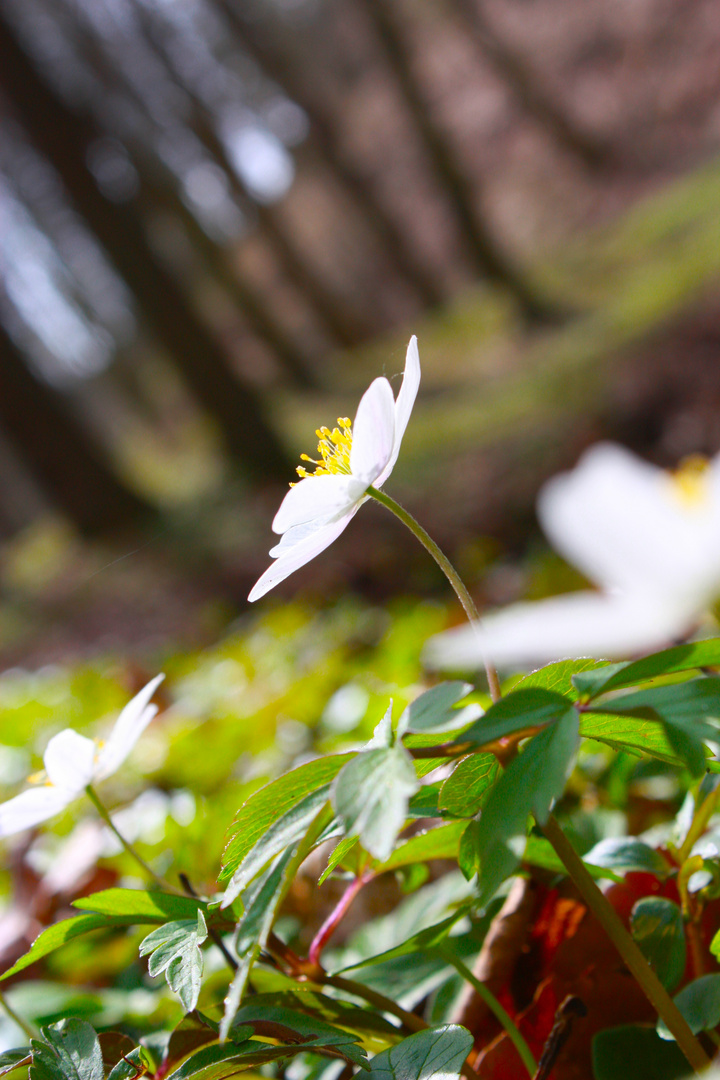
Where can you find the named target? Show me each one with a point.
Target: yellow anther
(689, 480)
(333, 451)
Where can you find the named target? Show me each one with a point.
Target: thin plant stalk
(609, 919)
(24, 1026)
(606, 915)
(513, 1032)
(456, 582)
(102, 811)
(335, 917)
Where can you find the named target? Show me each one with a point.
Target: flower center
(333, 449)
(689, 481)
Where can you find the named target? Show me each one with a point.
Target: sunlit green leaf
(695, 654)
(435, 1054)
(286, 830)
(75, 1046)
(57, 934)
(657, 926)
(265, 806)
(175, 949)
(465, 790)
(152, 906)
(370, 795)
(435, 709)
(532, 781)
(699, 1002)
(520, 709)
(627, 853)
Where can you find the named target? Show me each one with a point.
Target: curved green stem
(588, 889)
(24, 1026)
(373, 997)
(608, 918)
(513, 1032)
(160, 882)
(456, 582)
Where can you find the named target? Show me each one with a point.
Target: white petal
(626, 525)
(300, 553)
(70, 761)
(128, 728)
(373, 432)
(577, 624)
(316, 498)
(31, 807)
(404, 404)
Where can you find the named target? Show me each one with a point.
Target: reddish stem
(335, 917)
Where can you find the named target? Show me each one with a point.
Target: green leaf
(57, 934)
(539, 852)
(129, 1066)
(261, 901)
(657, 926)
(559, 676)
(175, 949)
(626, 853)
(337, 855)
(532, 781)
(465, 790)
(370, 794)
(76, 1048)
(630, 733)
(632, 1052)
(280, 1022)
(435, 709)
(424, 803)
(439, 843)
(45, 1062)
(421, 942)
(265, 806)
(696, 654)
(521, 709)
(286, 830)
(13, 1059)
(435, 1054)
(139, 905)
(683, 709)
(321, 1007)
(699, 1002)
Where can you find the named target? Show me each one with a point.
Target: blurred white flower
(352, 458)
(648, 538)
(72, 762)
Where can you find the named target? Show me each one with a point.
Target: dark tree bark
(67, 465)
(161, 185)
(330, 310)
(284, 68)
(64, 138)
(486, 254)
(518, 74)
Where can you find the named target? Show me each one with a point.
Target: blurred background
(220, 219)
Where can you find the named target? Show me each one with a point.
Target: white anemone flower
(73, 762)
(648, 538)
(352, 457)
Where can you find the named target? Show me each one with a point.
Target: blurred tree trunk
(67, 465)
(518, 74)
(330, 310)
(162, 184)
(486, 254)
(288, 72)
(64, 138)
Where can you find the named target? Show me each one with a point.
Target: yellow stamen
(689, 480)
(334, 450)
